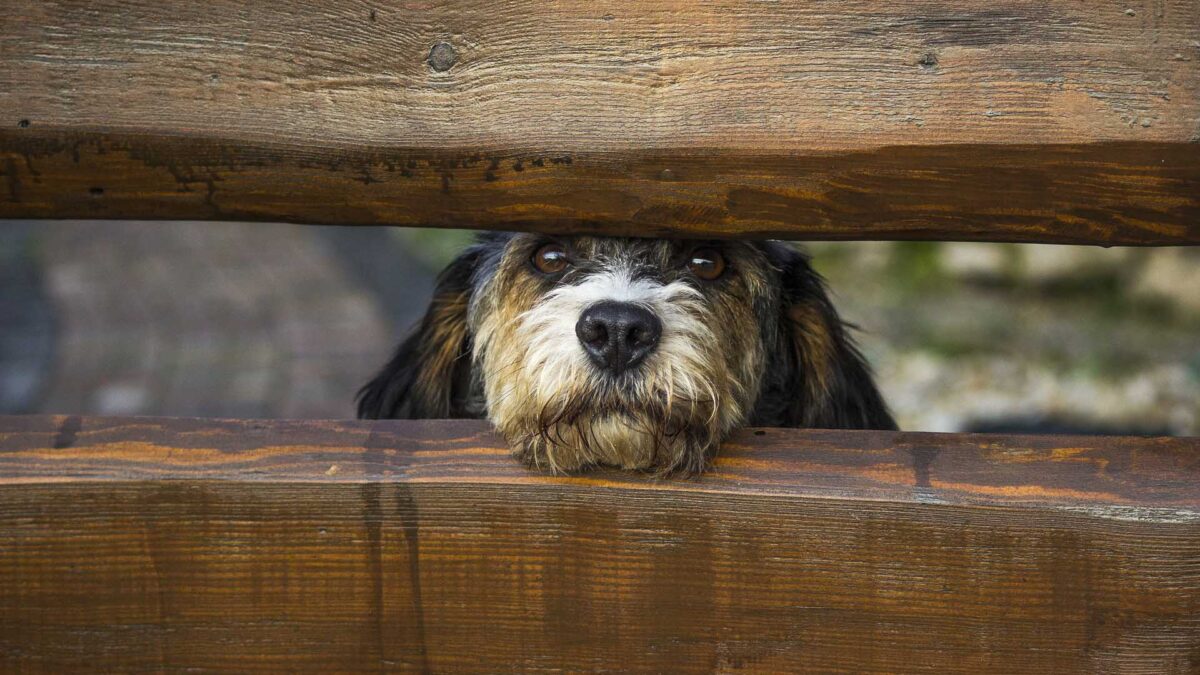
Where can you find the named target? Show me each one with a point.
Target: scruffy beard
(560, 412)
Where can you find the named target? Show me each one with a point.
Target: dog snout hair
(618, 335)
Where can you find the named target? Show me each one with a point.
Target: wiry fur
(761, 345)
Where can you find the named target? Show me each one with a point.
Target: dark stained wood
(1054, 121)
(1132, 194)
(154, 544)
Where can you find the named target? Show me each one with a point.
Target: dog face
(634, 353)
(637, 353)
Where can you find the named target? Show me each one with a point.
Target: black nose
(618, 335)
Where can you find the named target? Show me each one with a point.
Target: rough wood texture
(1014, 120)
(150, 544)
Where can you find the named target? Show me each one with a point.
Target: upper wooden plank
(1014, 120)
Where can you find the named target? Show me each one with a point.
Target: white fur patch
(556, 356)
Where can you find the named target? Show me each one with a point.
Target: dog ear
(816, 376)
(430, 374)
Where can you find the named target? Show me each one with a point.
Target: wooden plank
(154, 544)
(1015, 120)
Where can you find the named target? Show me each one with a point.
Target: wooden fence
(148, 544)
(1054, 121)
(174, 545)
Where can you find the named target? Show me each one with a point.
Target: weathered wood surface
(152, 544)
(1015, 120)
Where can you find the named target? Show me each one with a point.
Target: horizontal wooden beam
(1054, 121)
(156, 544)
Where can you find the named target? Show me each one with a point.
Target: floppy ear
(816, 376)
(430, 374)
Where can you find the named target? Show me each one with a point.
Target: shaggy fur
(759, 345)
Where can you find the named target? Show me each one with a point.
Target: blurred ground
(206, 319)
(252, 320)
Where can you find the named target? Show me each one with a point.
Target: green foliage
(434, 247)
(916, 265)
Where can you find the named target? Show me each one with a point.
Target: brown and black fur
(764, 341)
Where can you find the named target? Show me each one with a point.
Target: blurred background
(254, 320)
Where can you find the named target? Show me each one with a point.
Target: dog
(633, 353)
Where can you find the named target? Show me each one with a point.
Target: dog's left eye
(707, 263)
(550, 259)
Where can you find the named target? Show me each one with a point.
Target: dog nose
(618, 335)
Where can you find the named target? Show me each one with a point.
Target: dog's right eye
(707, 263)
(550, 259)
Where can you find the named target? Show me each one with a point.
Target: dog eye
(707, 263)
(550, 259)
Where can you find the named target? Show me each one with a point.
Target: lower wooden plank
(168, 545)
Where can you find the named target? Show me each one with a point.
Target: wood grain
(1009, 121)
(155, 544)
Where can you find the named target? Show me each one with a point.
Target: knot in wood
(442, 57)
